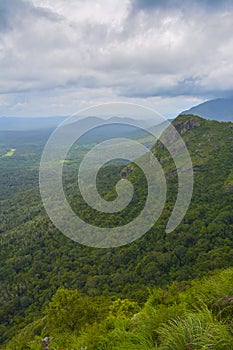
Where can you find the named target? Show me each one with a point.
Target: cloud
(186, 6)
(14, 12)
(100, 50)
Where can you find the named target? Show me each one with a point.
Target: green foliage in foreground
(194, 316)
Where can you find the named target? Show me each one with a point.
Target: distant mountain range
(30, 123)
(39, 123)
(220, 109)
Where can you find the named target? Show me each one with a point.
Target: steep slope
(178, 317)
(36, 259)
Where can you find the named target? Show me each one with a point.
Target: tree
(70, 311)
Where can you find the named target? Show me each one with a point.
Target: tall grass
(195, 331)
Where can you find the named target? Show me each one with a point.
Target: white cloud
(67, 55)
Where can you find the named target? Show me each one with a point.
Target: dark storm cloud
(149, 5)
(184, 88)
(14, 12)
(100, 50)
(8, 9)
(175, 4)
(189, 87)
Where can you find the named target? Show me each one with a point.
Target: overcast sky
(58, 56)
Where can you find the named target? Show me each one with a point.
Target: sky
(58, 57)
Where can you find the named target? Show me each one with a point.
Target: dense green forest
(182, 316)
(44, 276)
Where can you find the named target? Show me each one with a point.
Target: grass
(10, 153)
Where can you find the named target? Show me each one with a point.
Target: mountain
(34, 130)
(220, 109)
(36, 259)
(34, 123)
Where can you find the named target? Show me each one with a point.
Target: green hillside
(195, 315)
(36, 260)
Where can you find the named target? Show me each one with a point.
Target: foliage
(179, 320)
(72, 311)
(36, 260)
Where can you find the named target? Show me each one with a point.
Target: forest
(163, 291)
(181, 316)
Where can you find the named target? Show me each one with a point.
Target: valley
(37, 260)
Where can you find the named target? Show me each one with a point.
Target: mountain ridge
(220, 109)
